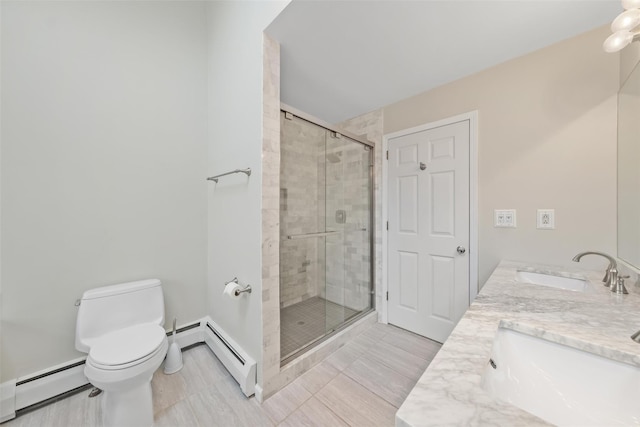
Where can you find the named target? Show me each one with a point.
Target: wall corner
(269, 366)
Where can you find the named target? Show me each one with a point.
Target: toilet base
(127, 399)
(128, 408)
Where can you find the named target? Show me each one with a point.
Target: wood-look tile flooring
(361, 384)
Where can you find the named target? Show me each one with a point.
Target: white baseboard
(259, 394)
(7, 401)
(239, 364)
(191, 336)
(49, 383)
(40, 386)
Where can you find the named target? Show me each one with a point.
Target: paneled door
(428, 230)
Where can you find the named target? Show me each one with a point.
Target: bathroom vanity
(591, 325)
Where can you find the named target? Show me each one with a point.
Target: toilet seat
(127, 347)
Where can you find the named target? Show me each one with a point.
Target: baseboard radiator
(233, 357)
(41, 388)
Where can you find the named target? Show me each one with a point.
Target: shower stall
(326, 231)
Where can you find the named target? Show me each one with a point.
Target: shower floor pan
(307, 322)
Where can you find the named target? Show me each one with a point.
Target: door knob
(422, 166)
(461, 250)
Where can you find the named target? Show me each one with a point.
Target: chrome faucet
(612, 264)
(611, 276)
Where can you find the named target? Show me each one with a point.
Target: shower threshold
(291, 351)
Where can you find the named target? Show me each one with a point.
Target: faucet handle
(619, 287)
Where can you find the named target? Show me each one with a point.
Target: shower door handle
(308, 235)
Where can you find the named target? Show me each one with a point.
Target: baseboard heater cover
(7, 400)
(239, 364)
(50, 383)
(34, 389)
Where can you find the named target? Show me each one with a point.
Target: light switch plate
(504, 218)
(546, 219)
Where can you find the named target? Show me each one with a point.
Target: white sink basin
(560, 384)
(559, 282)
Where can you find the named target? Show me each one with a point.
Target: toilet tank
(109, 308)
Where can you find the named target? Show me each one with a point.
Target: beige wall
(629, 58)
(103, 164)
(547, 139)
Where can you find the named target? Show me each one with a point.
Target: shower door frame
(288, 110)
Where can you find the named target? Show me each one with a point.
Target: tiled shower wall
(319, 193)
(269, 369)
(301, 202)
(370, 126)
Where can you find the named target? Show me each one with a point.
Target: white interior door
(428, 231)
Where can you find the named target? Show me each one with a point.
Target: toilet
(120, 327)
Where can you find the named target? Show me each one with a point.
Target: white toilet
(120, 327)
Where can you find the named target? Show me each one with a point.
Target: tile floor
(308, 320)
(361, 384)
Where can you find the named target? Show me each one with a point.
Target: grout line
(387, 362)
(330, 410)
(355, 380)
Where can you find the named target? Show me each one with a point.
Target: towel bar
(215, 178)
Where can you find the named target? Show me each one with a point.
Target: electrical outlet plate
(546, 219)
(504, 218)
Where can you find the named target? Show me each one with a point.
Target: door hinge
(387, 225)
(387, 295)
(387, 154)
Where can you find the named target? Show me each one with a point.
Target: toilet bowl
(122, 364)
(119, 327)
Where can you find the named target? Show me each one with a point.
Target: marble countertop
(597, 321)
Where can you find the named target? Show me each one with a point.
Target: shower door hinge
(387, 295)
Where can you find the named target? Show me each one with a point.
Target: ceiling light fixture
(626, 27)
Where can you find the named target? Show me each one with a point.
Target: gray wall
(104, 144)
(235, 141)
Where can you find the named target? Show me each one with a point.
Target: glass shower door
(348, 211)
(335, 222)
(302, 247)
(325, 233)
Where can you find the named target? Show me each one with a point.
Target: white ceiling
(341, 59)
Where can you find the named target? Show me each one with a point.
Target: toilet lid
(127, 345)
